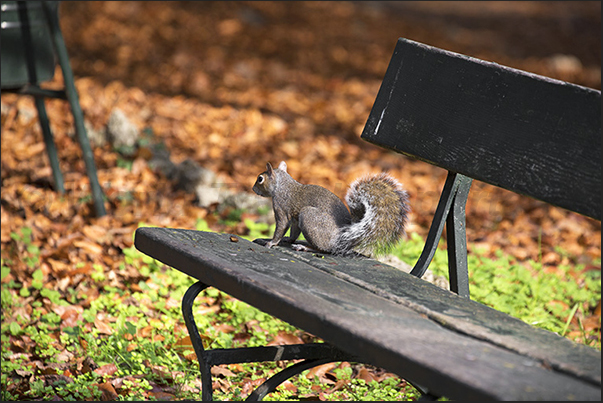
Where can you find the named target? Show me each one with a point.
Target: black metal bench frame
(450, 211)
(532, 118)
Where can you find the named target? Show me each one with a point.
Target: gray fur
(375, 223)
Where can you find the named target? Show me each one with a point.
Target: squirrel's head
(266, 182)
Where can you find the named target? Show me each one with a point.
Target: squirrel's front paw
(270, 244)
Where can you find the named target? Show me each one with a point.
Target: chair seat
(14, 35)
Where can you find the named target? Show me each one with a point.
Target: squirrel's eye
(261, 179)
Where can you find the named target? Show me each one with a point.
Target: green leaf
(26, 232)
(130, 328)
(53, 295)
(202, 225)
(24, 292)
(14, 329)
(38, 275)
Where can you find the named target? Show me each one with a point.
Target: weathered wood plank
(381, 330)
(461, 314)
(520, 131)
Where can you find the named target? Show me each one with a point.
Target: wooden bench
(523, 132)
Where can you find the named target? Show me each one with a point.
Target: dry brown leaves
(235, 84)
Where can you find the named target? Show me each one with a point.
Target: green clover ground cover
(133, 338)
(524, 290)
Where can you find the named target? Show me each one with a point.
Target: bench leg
(457, 239)
(189, 320)
(313, 354)
(271, 384)
(437, 225)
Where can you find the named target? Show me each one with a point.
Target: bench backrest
(520, 131)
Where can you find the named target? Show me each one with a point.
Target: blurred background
(198, 49)
(224, 87)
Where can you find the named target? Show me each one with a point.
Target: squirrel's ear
(282, 166)
(269, 169)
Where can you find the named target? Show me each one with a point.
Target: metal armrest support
(450, 211)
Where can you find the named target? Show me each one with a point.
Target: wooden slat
(461, 314)
(403, 327)
(520, 131)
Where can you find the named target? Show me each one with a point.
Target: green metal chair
(32, 43)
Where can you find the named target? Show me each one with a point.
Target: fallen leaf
(289, 386)
(320, 371)
(70, 316)
(218, 370)
(283, 337)
(365, 375)
(250, 385)
(89, 247)
(102, 327)
(108, 392)
(224, 328)
(597, 311)
(162, 396)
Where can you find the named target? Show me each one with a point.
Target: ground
(232, 85)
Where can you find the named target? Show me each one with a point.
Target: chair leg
(78, 117)
(51, 148)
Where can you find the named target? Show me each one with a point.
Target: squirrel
(374, 224)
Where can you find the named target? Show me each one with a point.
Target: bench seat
(379, 315)
(478, 120)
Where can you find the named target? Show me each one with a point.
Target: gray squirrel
(375, 223)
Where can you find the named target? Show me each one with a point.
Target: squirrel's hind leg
(319, 228)
(303, 248)
(295, 231)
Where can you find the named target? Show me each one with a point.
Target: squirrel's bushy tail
(379, 208)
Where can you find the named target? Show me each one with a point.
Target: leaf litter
(231, 86)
